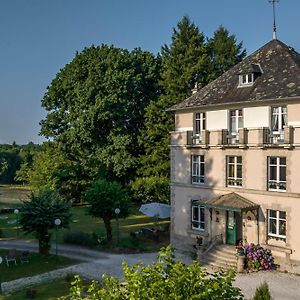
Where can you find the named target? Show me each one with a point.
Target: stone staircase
(220, 256)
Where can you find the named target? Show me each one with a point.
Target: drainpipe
(257, 222)
(210, 212)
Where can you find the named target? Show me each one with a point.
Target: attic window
(246, 79)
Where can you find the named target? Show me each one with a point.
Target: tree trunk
(44, 244)
(108, 229)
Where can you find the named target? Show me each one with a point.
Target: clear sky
(38, 37)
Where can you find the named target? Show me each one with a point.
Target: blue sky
(38, 37)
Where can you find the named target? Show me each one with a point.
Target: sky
(38, 37)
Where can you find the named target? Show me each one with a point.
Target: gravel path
(282, 286)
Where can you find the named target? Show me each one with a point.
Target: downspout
(257, 222)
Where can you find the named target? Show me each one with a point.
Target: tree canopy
(95, 109)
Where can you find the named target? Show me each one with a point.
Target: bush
(165, 279)
(262, 292)
(258, 258)
(80, 238)
(151, 189)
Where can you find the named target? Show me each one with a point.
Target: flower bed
(258, 258)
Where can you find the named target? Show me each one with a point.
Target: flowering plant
(258, 258)
(240, 249)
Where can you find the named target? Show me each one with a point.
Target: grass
(47, 291)
(38, 264)
(82, 221)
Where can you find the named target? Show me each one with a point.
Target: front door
(231, 228)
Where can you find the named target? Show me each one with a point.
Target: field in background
(12, 195)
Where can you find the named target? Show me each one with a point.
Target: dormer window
(246, 79)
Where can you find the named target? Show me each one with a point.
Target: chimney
(196, 88)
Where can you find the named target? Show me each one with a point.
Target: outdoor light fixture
(16, 212)
(57, 222)
(117, 212)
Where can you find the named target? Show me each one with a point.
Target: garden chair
(24, 258)
(11, 257)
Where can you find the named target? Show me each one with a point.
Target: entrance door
(231, 228)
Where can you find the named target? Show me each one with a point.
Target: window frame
(249, 79)
(277, 219)
(235, 164)
(199, 126)
(201, 216)
(200, 162)
(277, 181)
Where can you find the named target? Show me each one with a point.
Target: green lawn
(38, 264)
(48, 291)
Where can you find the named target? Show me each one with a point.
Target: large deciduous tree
(95, 109)
(104, 197)
(38, 214)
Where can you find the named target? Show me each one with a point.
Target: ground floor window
(277, 224)
(198, 216)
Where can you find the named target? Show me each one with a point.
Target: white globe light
(1, 260)
(117, 211)
(16, 211)
(57, 222)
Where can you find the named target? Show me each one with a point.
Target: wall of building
(184, 121)
(217, 119)
(255, 117)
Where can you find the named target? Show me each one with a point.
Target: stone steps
(222, 256)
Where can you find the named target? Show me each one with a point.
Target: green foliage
(224, 52)
(80, 238)
(104, 197)
(188, 60)
(262, 292)
(95, 109)
(167, 279)
(151, 189)
(38, 214)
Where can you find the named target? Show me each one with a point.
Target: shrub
(151, 189)
(262, 292)
(258, 258)
(80, 238)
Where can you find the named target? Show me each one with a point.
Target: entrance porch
(233, 217)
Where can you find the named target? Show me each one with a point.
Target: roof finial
(274, 20)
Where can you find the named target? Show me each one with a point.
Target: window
(277, 224)
(198, 169)
(200, 125)
(234, 171)
(278, 121)
(235, 123)
(198, 216)
(246, 79)
(277, 173)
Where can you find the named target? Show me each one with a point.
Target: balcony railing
(234, 182)
(253, 137)
(277, 185)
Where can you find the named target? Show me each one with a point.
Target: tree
(37, 216)
(95, 109)
(184, 63)
(224, 52)
(165, 279)
(151, 189)
(104, 197)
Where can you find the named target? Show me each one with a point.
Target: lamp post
(16, 212)
(117, 212)
(1, 260)
(57, 222)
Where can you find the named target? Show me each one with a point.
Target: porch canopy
(231, 202)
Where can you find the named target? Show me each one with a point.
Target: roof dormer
(249, 75)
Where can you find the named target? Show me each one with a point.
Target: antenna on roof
(274, 20)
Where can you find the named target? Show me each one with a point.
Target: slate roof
(280, 78)
(231, 201)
